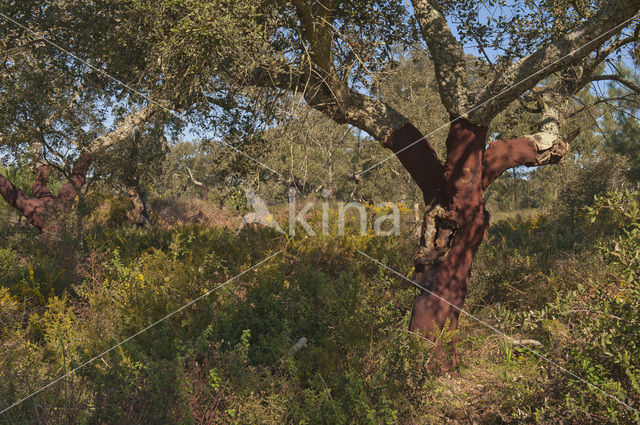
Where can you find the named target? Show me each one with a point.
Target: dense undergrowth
(564, 284)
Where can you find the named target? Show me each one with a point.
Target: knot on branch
(552, 149)
(39, 188)
(555, 154)
(43, 172)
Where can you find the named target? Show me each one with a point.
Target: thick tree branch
(205, 189)
(139, 215)
(345, 106)
(124, 129)
(532, 151)
(331, 96)
(548, 145)
(447, 55)
(31, 208)
(336, 100)
(39, 188)
(559, 54)
(77, 179)
(316, 33)
(321, 87)
(619, 79)
(12, 193)
(419, 159)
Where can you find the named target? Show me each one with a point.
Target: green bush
(591, 329)
(227, 358)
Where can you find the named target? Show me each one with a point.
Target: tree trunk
(455, 222)
(138, 215)
(330, 173)
(205, 189)
(31, 208)
(39, 208)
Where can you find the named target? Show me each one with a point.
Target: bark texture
(418, 157)
(452, 233)
(456, 221)
(448, 55)
(42, 204)
(139, 215)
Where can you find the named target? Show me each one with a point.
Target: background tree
(619, 117)
(57, 112)
(133, 165)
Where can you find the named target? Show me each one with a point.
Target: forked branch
(205, 189)
(562, 53)
(532, 151)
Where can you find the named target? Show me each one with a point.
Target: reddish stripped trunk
(205, 193)
(40, 207)
(453, 229)
(456, 221)
(30, 207)
(418, 157)
(457, 233)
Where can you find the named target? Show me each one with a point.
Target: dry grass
(519, 214)
(194, 211)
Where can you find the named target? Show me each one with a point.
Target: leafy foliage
(227, 357)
